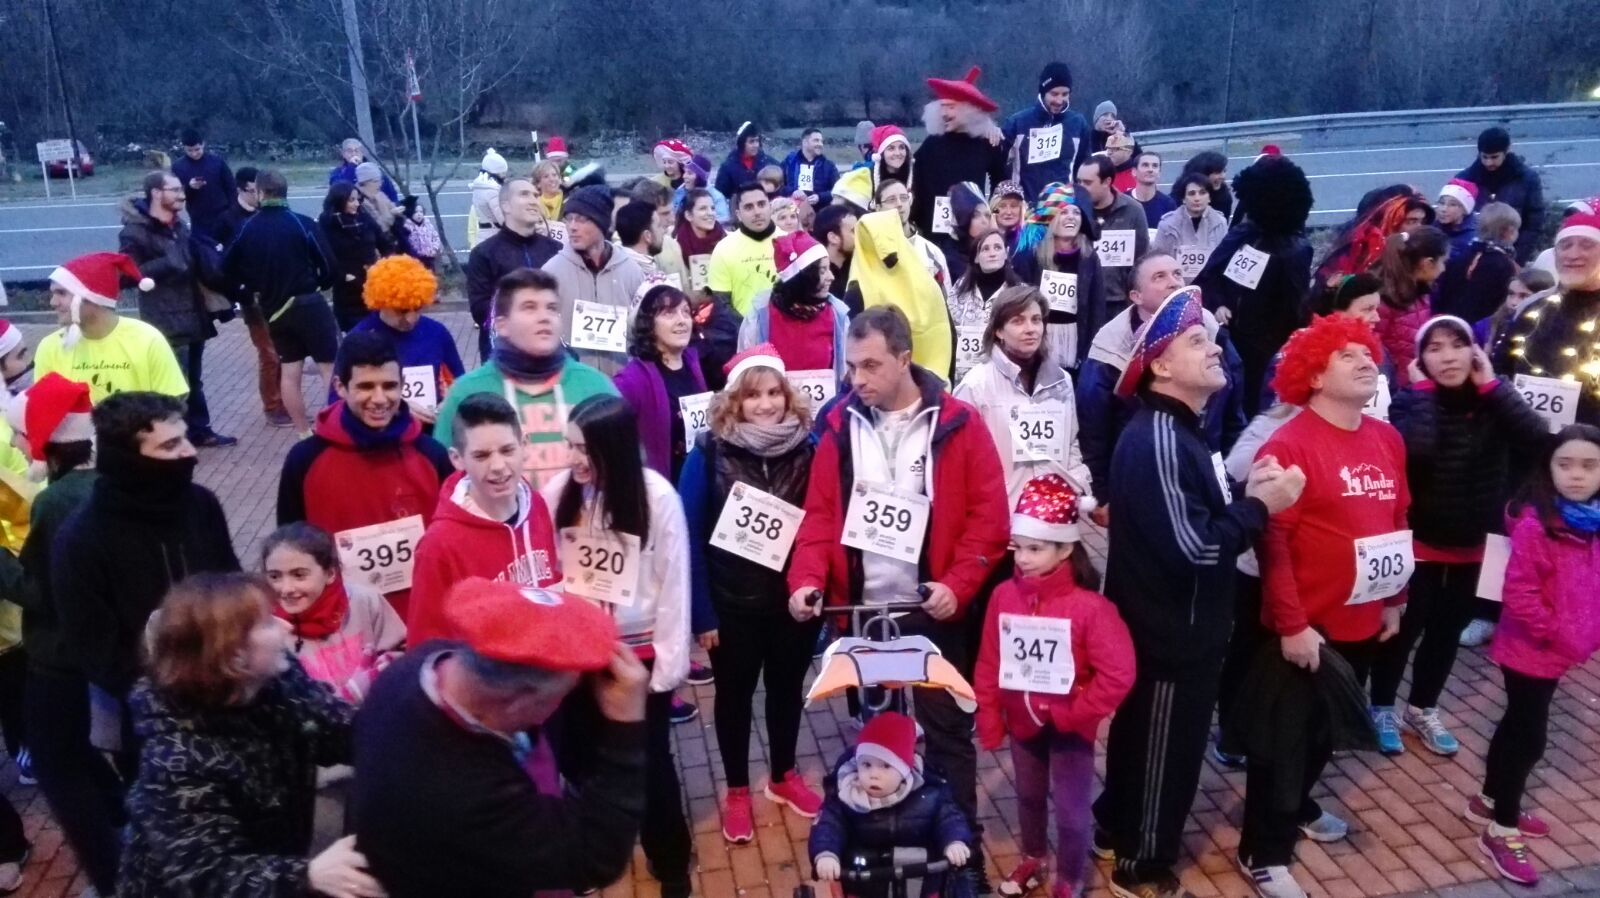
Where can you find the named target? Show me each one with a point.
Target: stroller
(885, 666)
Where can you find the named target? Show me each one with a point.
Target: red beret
(529, 627)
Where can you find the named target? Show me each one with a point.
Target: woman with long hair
(232, 733)
(1411, 263)
(1056, 254)
(662, 380)
(988, 271)
(547, 181)
(623, 544)
(357, 242)
(760, 440)
(800, 318)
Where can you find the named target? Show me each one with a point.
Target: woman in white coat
(1190, 232)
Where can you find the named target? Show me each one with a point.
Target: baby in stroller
(879, 803)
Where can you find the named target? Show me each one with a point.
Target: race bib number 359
(886, 521)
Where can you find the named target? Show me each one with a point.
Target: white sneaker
(1272, 882)
(1326, 828)
(1477, 633)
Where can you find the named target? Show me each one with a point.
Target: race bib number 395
(380, 555)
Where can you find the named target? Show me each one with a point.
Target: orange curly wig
(400, 284)
(1306, 354)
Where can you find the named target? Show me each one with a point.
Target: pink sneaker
(1026, 877)
(1510, 856)
(738, 822)
(793, 791)
(1481, 812)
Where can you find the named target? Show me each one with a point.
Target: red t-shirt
(1355, 488)
(803, 345)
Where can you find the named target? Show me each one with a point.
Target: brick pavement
(1407, 834)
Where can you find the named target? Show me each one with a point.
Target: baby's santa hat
(1463, 192)
(1049, 509)
(97, 278)
(53, 410)
(10, 337)
(890, 737)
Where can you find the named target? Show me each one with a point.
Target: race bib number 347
(1036, 654)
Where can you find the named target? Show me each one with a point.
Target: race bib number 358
(757, 525)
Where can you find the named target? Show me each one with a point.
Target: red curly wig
(1306, 354)
(399, 283)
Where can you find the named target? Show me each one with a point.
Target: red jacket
(345, 476)
(1102, 653)
(968, 526)
(461, 543)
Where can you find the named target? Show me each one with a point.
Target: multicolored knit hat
(1055, 197)
(1180, 311)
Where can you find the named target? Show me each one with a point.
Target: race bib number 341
(1115, 249)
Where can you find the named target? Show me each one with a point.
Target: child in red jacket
(1056, 660)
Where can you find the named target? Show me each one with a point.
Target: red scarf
(325, 615)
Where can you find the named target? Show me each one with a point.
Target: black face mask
(152, 484)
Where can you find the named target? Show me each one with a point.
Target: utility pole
(358, 77)
(61, 73)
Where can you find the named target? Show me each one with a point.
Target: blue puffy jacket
(928, 818)
(1075, 150)
(823, 176)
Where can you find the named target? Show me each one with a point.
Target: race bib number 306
(1060, 289)
(1036, 654)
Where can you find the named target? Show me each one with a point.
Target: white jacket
(995, 387)
(486, 205)
(1177, 230)
(661, 615)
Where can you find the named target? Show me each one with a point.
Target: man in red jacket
(489, 523)
(367, 474)
(1334, 566)
(906, 493)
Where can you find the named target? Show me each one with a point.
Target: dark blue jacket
(1174, 540)
(207, 204)
(1516, 184)
(1075, 149)
(823, 176)
(731, 173)
(276, 256)
(928, 818)
(1461, 236)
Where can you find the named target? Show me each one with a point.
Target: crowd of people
(711, 398)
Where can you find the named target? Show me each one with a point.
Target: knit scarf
(759, 235)
(855, 796)
(693, 244)
(323, 617)
(1581, 517)
(524, 366)
(768, 440)
(1028, 368)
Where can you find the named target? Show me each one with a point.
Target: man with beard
(741, 264)
(963, 144)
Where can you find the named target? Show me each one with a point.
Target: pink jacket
(1551, 619)
(1398, 332)
(1102, 652)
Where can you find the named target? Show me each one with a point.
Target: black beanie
(1494, 140)
(1055, 74)
(593, 203)
(965, 198)
(745, 132)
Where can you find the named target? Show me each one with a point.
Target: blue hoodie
(1075, 149)
(823, 175)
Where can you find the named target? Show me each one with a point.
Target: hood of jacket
(573, 259)
(135, 211)
(339, 426)
(457, 507)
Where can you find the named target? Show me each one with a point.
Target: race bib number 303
(757, 525)
(1036, 654)
(1044, 144)
(1384, 564)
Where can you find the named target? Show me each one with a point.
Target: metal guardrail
(1352, 120)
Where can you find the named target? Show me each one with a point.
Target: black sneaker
(699, 675)
(682, 711)
(1100, 846)
(1124, 885)
(279, 419)
(213, 440)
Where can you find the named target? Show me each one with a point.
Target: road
(36, 235)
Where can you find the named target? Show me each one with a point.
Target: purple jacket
(640, 383)
(1551, 619)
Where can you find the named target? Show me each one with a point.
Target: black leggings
(83, 790)
(747, 647)
(1518, 743)
(1248, 634)
(1439, 608)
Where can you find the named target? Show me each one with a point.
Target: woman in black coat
(357, 242)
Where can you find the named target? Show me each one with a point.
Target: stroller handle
(892, 872)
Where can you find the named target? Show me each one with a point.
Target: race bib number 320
(1036, 654)
(886, 521)
(602, 566)
(757, 525)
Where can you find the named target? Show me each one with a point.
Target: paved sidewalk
(1408, 836)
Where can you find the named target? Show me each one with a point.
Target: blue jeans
(191, 358)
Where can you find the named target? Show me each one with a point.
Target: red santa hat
(673, 150)
(890, 737)
(1584, 224)
(53, 410)
(963, 91)
(761, 355)
(10, 337)
(556, 148)
(1049, 509)
(794, 253)
(97, 278)
(1463, 192)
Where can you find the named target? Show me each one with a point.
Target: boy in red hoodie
(1334, 566)
(489, 523)
(1056, 660)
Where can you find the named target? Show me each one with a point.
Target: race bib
(1060, 289)
(419, 385)
(758, 526)
(1191, 259)
(597, 326)
(602, 566)
(380, 555)
(1555, 399)
(944, 217)
(558, 231)
(1115, 249)
(1036, 432)
(699, 270)
(1383, 566)
(1221, 470)
(807, 179)
(1246, 266)
(1044, 144)
(1492, 572)
(886, 521)
(969, 347)
(696, 411)
(818, 384)
(1036, 654)
(1378, 405)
